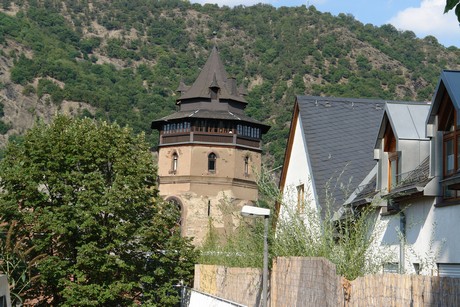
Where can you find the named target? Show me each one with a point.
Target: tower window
(178, 204)
(175, 159)
(212, 162)
(246, 166)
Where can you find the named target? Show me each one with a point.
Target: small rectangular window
(301, 198)
(391, 267)
(449, 270)
(393, 170)
(449, 156)
(246, 166)
(417, 268)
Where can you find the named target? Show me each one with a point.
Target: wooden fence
(241, 285)
(299, 281)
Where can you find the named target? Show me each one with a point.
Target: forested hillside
(123, 59)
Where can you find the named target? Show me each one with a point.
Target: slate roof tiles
(340, 134)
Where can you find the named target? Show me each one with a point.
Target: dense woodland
(122, 60)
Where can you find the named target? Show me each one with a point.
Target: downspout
(402, 242)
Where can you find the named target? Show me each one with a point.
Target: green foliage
(451, 4)
(302, 232)
(84, 194)
(4, 127)
(15, 264)
(243, 248)
(346, 243)
(278, 52)
(46, 86)
(28, 90)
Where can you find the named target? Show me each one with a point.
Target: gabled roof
(340, 134)
(448, 81)
(407, 120)
(213, 75)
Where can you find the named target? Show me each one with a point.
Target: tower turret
(209, 151)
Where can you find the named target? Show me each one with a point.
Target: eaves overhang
(449, 82)
(406, 119)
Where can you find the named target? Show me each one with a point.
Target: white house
(329, 151)
(402, 158)
(418, 154)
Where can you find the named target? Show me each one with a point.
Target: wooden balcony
(209, 138)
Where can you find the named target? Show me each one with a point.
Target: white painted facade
(431, 230)
(432, 236)
(298, 173)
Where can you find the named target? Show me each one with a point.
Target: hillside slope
(123, 59)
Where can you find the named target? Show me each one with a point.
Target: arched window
(246, 165)
(175, 159)
(178, 204)
(212, 162)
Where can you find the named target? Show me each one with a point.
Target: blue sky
(423, 17)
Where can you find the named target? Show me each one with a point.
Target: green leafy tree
(83, 193)
(451, 4)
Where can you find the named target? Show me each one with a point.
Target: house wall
(5, 299)
(298, 173)
(430, 231)
(413, 152)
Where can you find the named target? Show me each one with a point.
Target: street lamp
(251, 211)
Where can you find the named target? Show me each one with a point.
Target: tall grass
(310, 231)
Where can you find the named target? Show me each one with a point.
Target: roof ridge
(359, 100)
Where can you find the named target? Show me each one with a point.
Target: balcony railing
(206, 137)
(414, 177)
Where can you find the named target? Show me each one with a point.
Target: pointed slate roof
(197, 98)
(213, 74)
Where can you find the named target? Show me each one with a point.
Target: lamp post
(251, 211)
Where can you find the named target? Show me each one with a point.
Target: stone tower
(209, 152)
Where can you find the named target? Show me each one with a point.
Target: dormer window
(450, 148)
(450, 143)
(393, 158)
(214, 88)
(393, 170)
